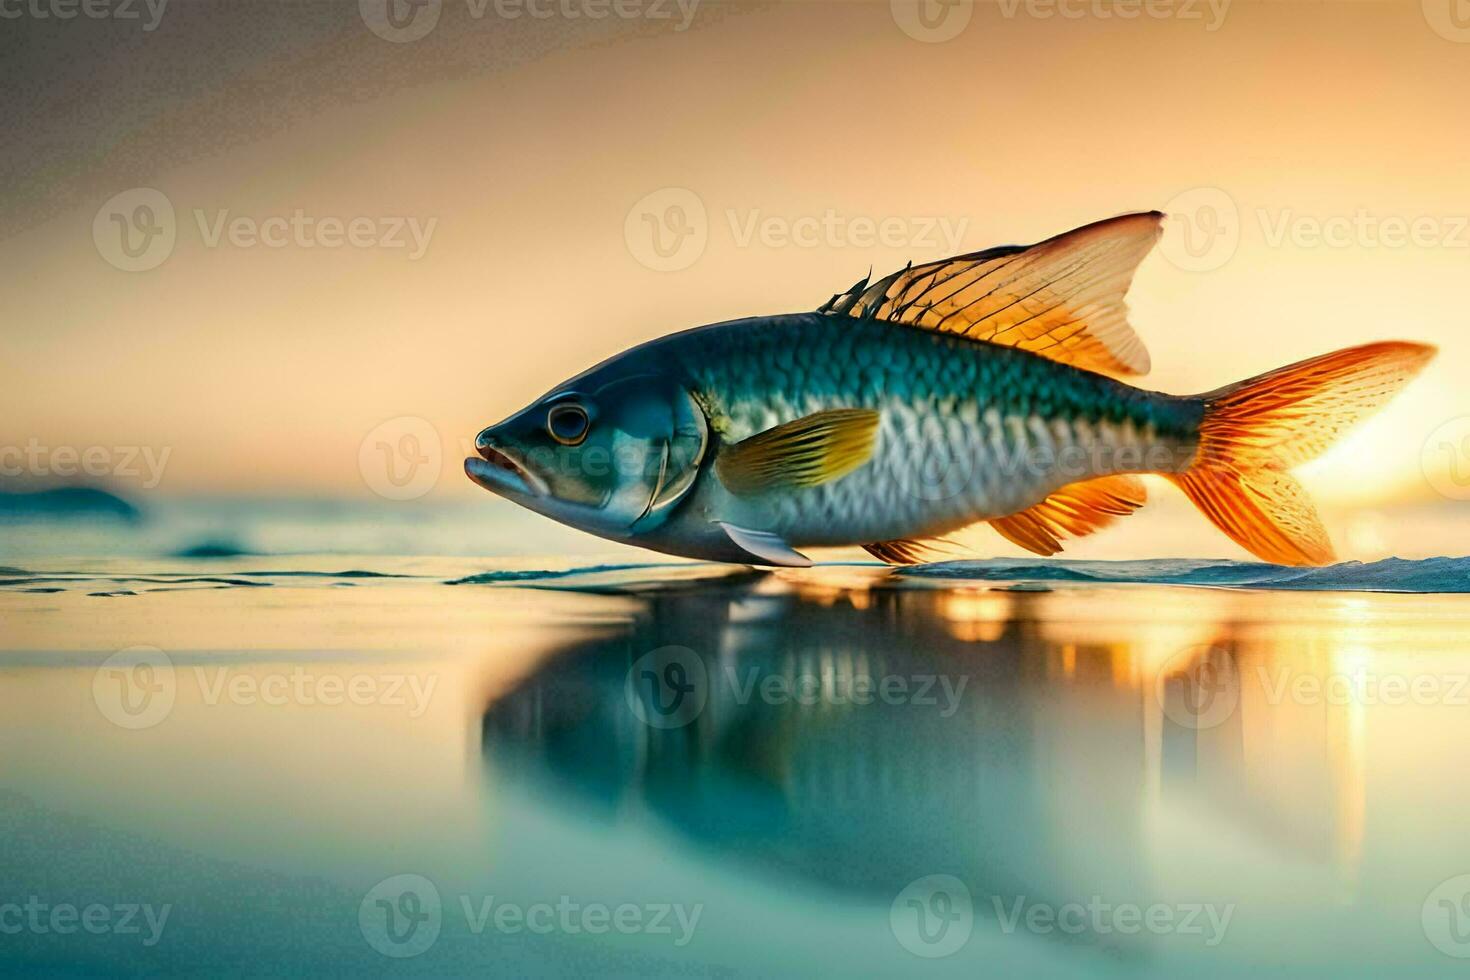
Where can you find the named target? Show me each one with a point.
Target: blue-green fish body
(972, 390)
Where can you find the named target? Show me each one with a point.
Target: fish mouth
(499, 473)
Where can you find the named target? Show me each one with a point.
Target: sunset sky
(502, 177)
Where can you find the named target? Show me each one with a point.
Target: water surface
(700, 770)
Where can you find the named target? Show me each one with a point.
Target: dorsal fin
(1075, 510)
(1061, 298)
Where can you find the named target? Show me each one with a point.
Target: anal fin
(1075, 510)
(909, 551)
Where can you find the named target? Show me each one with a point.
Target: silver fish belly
(958, 442)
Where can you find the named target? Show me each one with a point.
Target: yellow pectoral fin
(804, 452)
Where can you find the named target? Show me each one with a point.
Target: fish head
(608, 452)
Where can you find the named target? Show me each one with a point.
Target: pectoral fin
(765, 548)
(804, 452)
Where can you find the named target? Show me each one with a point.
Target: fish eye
(567, 424)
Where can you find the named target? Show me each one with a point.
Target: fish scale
(955, 414)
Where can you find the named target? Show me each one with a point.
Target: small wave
(539, 574)
(1428, 575)
(214, 549)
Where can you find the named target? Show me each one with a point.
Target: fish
(906, 412)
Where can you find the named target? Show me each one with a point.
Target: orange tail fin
(1254, 431)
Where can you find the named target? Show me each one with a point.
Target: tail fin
(1256, 430)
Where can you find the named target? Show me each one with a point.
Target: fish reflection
(857, 736)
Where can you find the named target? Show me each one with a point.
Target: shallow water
(356, 768)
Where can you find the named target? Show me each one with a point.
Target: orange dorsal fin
(1062, 298)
